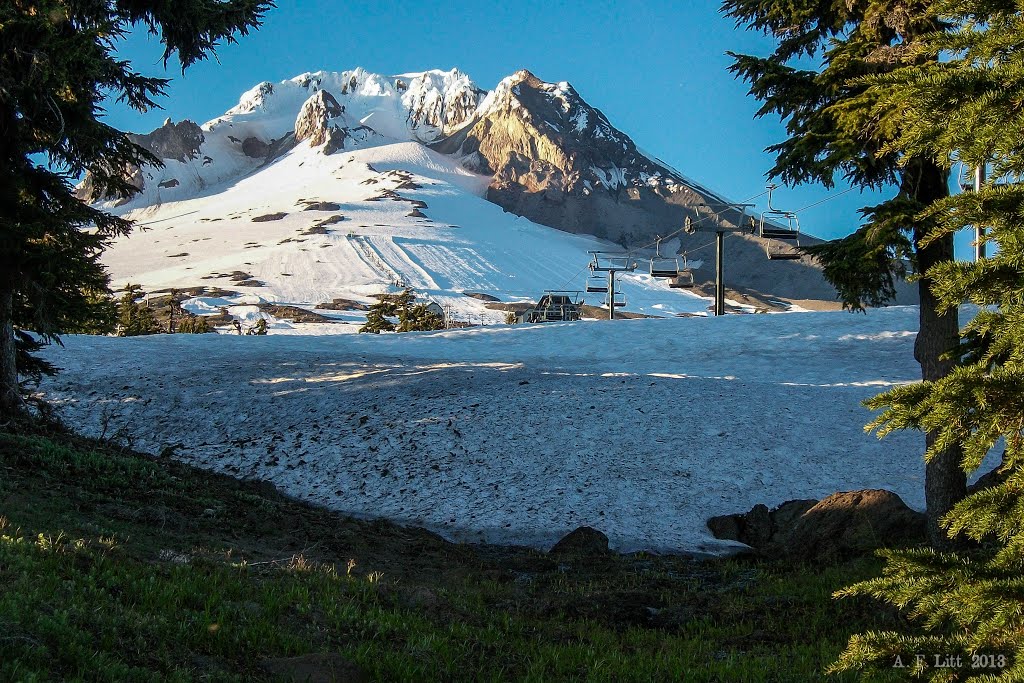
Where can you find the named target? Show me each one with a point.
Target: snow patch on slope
(521, 434)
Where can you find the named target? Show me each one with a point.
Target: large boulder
(583, 541)
(760, 527)
(842, 525)
(853, 523)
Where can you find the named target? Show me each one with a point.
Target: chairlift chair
(663, 266)
(603, 262)
(597, 283)
(684, 275)
(776, 231)
(777, 224)
(777, 251)
(620, 300)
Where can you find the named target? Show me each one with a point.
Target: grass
(119, 567)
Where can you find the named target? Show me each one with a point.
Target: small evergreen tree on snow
(174, 311)
(412, 317)
(419, 318)
(377, 317)
(259, 329)
(968, 603)
(193, 324)
(134, 318)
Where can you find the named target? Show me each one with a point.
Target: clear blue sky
(656, 69)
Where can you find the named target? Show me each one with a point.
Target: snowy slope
(522, 433)
(435, 233)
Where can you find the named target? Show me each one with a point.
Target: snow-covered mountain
(339, 185)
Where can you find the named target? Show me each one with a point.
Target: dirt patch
(386, 194)
(342, 305)
(480, 296)
(320, 227)
(293, 313)
(216, 292)
(321, 206)
(243, 279)
(600, 312)
(269, 217)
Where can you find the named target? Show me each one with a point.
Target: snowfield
(640, 428)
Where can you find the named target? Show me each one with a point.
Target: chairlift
(778, 251)
(684, 276)
(604, 262)
(777, 224)
(597, 283)
(619, 302)
(663, 266)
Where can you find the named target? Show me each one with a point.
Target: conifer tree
(174, 311)
(967, 607)
(193, 324)
(836, 130)
(412, 317)
(134, 318)
(259, 329)
(57, 65)
(377, 317)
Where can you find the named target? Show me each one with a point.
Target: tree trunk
(945, 482)
(10, 393)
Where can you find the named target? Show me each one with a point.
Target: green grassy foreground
(118, 567)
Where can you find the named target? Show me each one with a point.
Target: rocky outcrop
(559, 162)
(179, 141)
(842, 525)
(761, 527)
(439, 103)
(255, 148)
(321, 121)
(89, 191)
